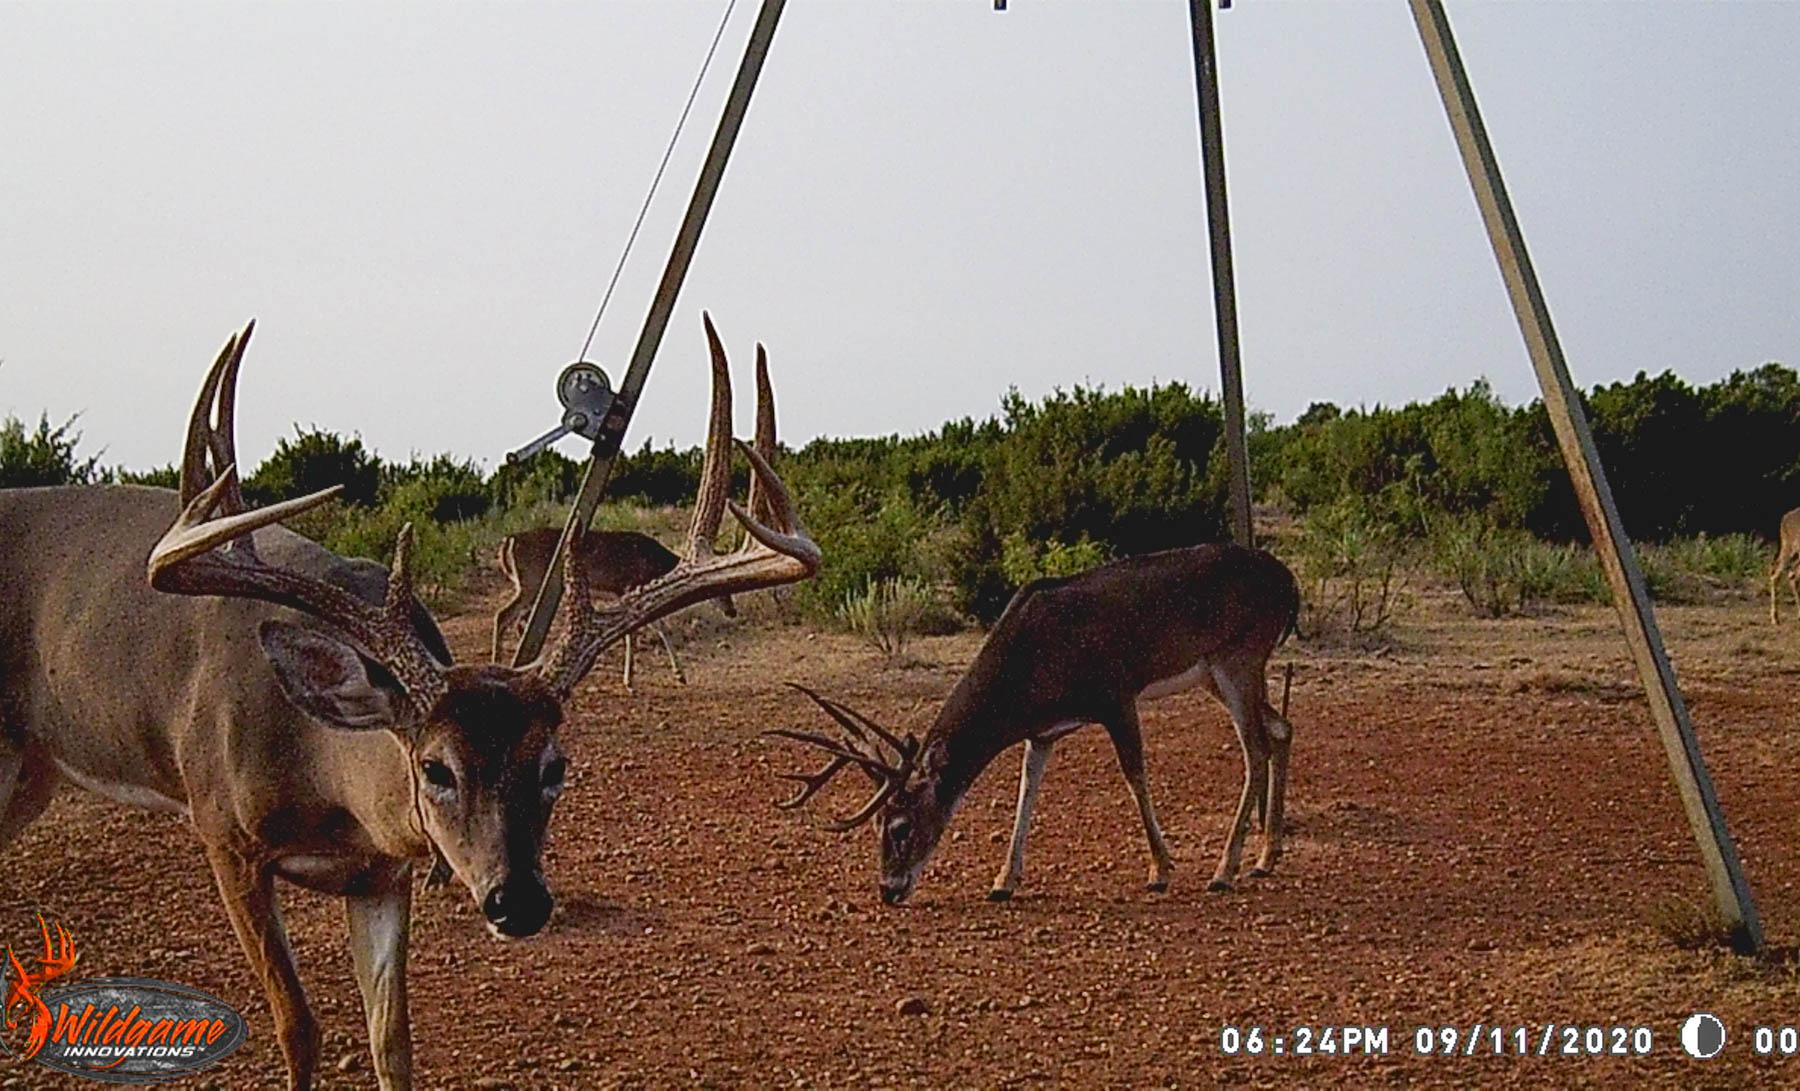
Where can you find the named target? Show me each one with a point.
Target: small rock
(912, 1005)
(348, 1062)
(761, 949)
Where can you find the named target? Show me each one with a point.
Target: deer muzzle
(518, 907)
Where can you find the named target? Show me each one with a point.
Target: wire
(657, 180)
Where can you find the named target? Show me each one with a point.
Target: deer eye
(554, 772)
(438, 775)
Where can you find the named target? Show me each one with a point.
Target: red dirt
(1483, 831)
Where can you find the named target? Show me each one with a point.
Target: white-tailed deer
(1075, 651)
(616, 561)
(1787, 563)
(302, 709)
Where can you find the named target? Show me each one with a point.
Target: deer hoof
(1000, 894)
(1219, 886)
(1157, 886)
(1261, 872)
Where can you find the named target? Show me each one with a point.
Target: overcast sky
(930, 202)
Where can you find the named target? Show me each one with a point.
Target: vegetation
(44, 455)
(888, 614)
(1461, 490)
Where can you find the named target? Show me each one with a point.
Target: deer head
(910, 813)
(484, 764)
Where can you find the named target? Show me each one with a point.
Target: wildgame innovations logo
(112, 1029)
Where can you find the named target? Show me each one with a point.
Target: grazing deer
(1074, 651)
(1787, 563)
(301, 709)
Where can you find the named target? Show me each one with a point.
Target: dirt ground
(1484, 831)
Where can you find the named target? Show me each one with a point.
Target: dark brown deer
(1075, 651)
(301, 709)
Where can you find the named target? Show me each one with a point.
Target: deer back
(1073, 648)
(615, 560)
(157, 697)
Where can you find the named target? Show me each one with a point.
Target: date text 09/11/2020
(1480, 1039)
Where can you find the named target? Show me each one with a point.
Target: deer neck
(966, 737)
(371, 777)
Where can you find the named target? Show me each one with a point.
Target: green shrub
(42, 456)
(1352, 559)
(163, 477)
(1503, 570)
(1125, 471)
(887, 614)
(444, 489)
(315, 460)
(1023, 560)
(1728, 561)
(548, 477)
(869, 539)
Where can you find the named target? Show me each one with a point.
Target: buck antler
(774, 552)
(860, 746)
(209, 549)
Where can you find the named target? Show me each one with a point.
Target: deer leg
(674, 663)
(378, 926)
(1281, 741)
(1031, 774)
(1241, 687)
(1128, 744)
(27, 781)
(248, 890)
(628, 643)
(1775, 574)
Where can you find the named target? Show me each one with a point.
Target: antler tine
(195, 556)
(195, 476)
(881, 795)
(857, 723)
(836, 712)
(758, 503)
(872, 762)
(813, 782)
(224, 433)
(715, 465)
(786, 536)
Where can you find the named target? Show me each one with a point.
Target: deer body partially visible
(1075, 651)
(616, 561)
(1787, 563)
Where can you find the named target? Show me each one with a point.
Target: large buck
(1075, 651)
(302, 709)
(618, 560)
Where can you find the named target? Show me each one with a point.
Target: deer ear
(327, 678)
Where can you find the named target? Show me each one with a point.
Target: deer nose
(518, 908)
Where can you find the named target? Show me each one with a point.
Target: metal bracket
(587, 397)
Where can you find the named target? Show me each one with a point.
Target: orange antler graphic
(59, 959)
